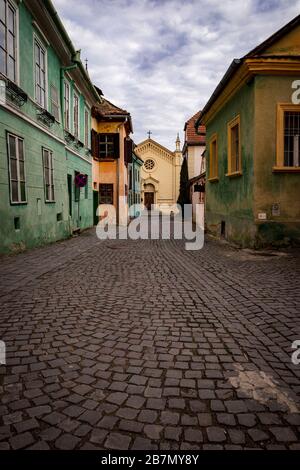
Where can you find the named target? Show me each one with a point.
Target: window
(54, 102)
(76, 115)
(67, 105)
(109, 145)
(291, 138)
(213, 158)
(48, 175)
(40, 74)
(149, 164)
(106, 193)
(234, 147)
(288, 138)
(16, 169)
(86, 127)
(8, 40)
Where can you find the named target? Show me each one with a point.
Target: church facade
(160, 173)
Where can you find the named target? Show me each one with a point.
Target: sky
(162, 59)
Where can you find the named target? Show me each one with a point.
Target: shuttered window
(76, 115)
(40, 74)
(48, 175)
(17, 176)
(54, 102)
(67, 106)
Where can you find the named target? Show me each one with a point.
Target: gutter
(235, 64)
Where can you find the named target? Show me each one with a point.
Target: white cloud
(162, 59)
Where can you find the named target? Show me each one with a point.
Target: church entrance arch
(149, 196)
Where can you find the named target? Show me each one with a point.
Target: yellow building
(160, 174)
(111, 151)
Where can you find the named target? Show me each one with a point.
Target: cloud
(162, 59)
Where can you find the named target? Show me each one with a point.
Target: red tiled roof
(191, 137)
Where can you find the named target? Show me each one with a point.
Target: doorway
(148, 200)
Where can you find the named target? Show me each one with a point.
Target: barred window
(291, 138)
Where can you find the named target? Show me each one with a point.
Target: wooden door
(149, 200)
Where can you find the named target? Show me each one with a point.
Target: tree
(184, 190)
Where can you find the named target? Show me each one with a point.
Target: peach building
(111, 151)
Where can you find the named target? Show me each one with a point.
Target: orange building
(111, 151)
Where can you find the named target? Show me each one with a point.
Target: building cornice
(246, 71)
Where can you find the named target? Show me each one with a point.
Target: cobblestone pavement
(143, 345)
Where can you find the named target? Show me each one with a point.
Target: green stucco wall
(270, 187)
(231, 199)
(39, 222)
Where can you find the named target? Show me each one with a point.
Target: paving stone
(98, 436)
(153, 431)
(193, 435)
(90, 416)
(257, 435)
(173, 433)
(27, 425)
(141, 443)
(148, 416)
(21, 441)
(67, 442)
(247, 419)
(283, 434)
(215, 434)
(130, 426)
(117, 441)
(50, 434)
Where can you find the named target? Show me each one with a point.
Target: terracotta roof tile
(191, 137)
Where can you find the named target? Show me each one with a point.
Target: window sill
(214, 179)
(234, 174)
(19, 203)
(286, 169)
(50, 202)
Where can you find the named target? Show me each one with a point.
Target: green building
(253, 145)
(45, 118)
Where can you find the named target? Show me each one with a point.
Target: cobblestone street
(143, 345)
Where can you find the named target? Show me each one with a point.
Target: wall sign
(80, 180)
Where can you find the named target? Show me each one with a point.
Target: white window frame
(37, 41)
(67, 127)
(76, 134)
(87, 132)
(51, 175)
(17, 139)
(14, 7)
